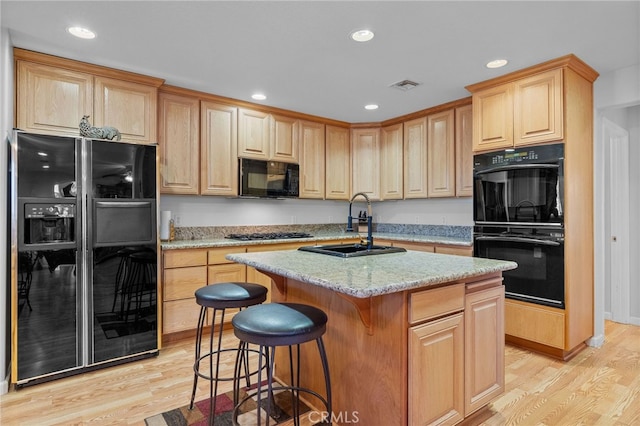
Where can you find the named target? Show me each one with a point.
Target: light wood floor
(600, 386)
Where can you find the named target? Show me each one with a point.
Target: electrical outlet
(293, 220)
(178, 220)
(330, 219)
(416, 219)
(444, 220)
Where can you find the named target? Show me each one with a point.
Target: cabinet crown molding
(569, 61)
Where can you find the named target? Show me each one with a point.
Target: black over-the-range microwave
(269, 179)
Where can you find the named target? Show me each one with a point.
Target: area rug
(199, 416)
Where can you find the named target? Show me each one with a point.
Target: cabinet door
(218, 149)
(337, 163)
(253, 134)
(284, 139)
(538, 108)
(441, 155)
(493, 118)
(391, 161)
(436, 372)
(415, 158)
(129, 107)
(484, 343)
(179, 144)
(226, 272)
(311, 160)
(365, 162)
(51, 100)
(464, 151)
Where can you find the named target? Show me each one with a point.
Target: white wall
(614, 90)
(6, 123)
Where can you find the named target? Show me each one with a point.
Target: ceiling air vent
(405, 85)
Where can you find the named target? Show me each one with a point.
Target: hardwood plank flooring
(600, 386)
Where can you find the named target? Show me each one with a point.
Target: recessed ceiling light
(259, 96)
(497, 63)
(81, 32)
(371, 106)
(42, 154)
(45, 166)
(362, 35)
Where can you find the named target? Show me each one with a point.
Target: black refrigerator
(84, 246)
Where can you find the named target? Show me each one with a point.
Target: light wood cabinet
(551, 101)
(130, 107)
(391, 162)
(337, 163)
(464, 151)
(185, 271)
(441, 154)
(218, 149)
(436, 372)
(52, 100)
(312, 159)
(415, 158)
(365, 162)
(484, 344)
(54, 93)
(265, 136)
(179, 143)
(521, 112)
(428, 247)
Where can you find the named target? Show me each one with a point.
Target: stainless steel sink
(351, 250)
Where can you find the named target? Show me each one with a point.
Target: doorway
(617, 278)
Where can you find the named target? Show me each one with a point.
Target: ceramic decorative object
(88, 131)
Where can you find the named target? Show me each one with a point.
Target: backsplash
(216, 232)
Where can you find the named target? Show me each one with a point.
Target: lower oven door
(539, 277)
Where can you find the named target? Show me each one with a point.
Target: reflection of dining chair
(26, 260)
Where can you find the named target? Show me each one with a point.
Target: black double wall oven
(518, 214)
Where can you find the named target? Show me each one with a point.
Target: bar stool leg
(201, 318)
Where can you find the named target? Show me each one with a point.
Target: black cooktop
(268, 236)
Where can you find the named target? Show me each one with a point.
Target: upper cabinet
(526, 107)
(391, 161)
(415, 158)
(441, 158)
(337, 163)
(54, 93)
(464, 151)
(264, 136)
(218, 149)
(365, 162)
(312, 164)
(179, 143)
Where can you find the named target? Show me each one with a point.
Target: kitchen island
(412, 338)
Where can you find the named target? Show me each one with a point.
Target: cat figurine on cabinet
(88, 131)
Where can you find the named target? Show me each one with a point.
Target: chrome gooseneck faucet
(369, 218)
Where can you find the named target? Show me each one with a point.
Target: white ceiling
(299, 52)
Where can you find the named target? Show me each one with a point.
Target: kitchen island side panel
(367, 364)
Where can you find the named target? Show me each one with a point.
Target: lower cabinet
(455, 351)
(185, 271)
(436, 367)
(429, 247)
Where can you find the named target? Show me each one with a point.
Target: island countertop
(374, 275)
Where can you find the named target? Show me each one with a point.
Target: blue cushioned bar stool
(280, 324)
(219, 297)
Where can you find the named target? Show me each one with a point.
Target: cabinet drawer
(437, 302)
(537, 323)
(180, 258)
(181, 283)
(180, 315)
(217, 255)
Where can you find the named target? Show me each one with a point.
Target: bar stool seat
(281, 324)
(219, 297)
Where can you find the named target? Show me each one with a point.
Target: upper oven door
(524, 186)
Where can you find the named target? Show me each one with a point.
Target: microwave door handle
(520, 240)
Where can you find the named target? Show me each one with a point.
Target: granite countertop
(317, 238)
(371, 275)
